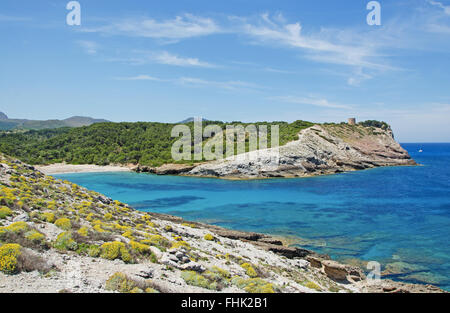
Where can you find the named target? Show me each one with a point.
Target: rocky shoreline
(56, 236)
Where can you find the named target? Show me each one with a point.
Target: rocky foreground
(56, 236)
(320, 150)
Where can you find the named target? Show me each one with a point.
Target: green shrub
(195, 279)
(35, 236)
(64, 242)
(253, 285)
(122, 283)
(94, 251)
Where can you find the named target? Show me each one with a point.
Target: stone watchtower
(352, 121)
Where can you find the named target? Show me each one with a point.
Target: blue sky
(230, 60)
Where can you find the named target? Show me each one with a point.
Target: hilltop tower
(352, 121)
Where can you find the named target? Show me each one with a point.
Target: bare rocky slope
(56, 236)
(319, 150)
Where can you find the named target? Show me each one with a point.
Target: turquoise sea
(399, 216)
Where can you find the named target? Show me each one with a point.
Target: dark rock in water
(272, 241)
(166, 169)
(289, 252)
(238, 235)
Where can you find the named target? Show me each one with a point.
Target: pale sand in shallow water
(82, 168)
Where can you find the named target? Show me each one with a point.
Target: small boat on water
(420, 150)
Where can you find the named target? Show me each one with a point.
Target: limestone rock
(320, 149)
(22, 218)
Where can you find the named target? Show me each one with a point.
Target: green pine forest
(144, 143)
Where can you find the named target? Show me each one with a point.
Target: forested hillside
(144, 143)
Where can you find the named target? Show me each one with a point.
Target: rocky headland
(56, 236)
(319, 150)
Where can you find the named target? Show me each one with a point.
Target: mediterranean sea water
(398, 216)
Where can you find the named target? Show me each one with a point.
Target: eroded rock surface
(319, 150)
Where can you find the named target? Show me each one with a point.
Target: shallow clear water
(393, 215)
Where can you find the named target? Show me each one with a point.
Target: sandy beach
(62, 168)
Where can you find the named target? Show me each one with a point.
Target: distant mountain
(16, 124)
(191, 119)
(78, 121)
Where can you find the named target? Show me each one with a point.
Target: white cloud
(314, 101)
(445, 8)
(9, 18)
(364, 52)
(317, 47)
(357, 77)
(435, 28)
(90, 47)
(230, 85)
(165, 57)
(162, 57)
(140, 77)
(185, 26)
(195, 82)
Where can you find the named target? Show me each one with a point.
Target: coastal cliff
(319, 150)
(56, 236)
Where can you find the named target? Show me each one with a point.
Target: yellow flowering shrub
(139, 247)
(253, 285)
(83, 231)
(63, 223)
(115, 250)
(209, 237)
(312, 285)
(4, 212)
(98, 228)
(48, 217)
(179, 244)
(108, 216)
(35, 236)
(223, 273)
(157, 241)
(8, 258)
(128, 234)
(122, 283)
(17, 227)
(249, 270)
